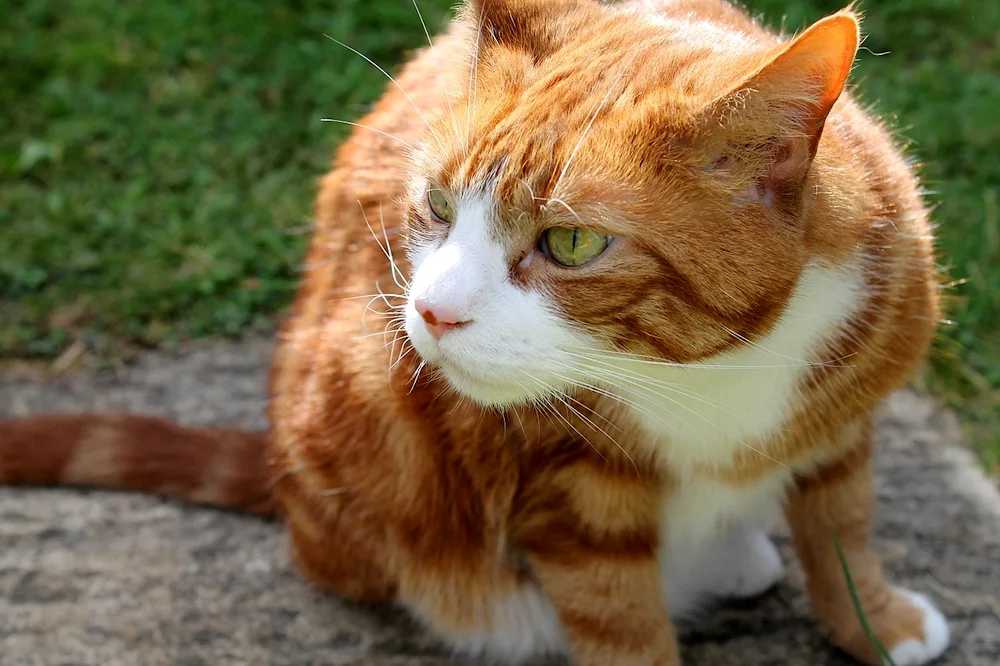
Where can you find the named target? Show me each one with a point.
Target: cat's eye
(573, 246)
(441, 206)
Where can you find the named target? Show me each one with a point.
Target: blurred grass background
(158, 161)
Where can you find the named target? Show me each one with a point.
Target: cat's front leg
(591, 540)
(838, 499)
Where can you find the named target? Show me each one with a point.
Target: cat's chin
(490, 393)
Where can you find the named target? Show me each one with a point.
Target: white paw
(759, 569)
(916, 652)
(742, 563)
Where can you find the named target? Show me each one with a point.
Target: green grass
(158, 160)
(883, 654)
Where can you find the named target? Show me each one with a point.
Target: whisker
(416, 377)
(587, 129)
(618, 398)
(329, 492)
(372, 335)
(368, 308)
(402, 355)
(639, 378)
(394, 82)
(637, 390)
(370, 128)
(391, 344)
(710, 423)
(385, 251)
(388, 247)
(567, 207)
(473, 82)
(379, 295)
(598, 428)
(593, 411)
(764, 349)
(653, 360)
(517, 415)
(437, 63)
(555, 412)
(531, 192)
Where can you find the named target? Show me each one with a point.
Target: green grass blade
(872, 638)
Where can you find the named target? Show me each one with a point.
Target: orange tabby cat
(654, 272)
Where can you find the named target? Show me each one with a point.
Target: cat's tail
(224, 468)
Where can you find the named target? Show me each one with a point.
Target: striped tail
(224, 468)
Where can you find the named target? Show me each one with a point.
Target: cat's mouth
(488, 391)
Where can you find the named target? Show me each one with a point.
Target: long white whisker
(388, 247)
(392, 348)
(391, 344)
(372, 335)
(638, 392)
(567, 207)
(625, 374)
(379, 295)
(517, 415)
(590, 124)
(385, 251)
(803, 362)
(618, 398)
(372, 129)
(416, 377)
(437, 63)
(473, 82)
(652, 360)
(560, 416)
(596, 413)
(402, 355)
(394, 82)
(531, 192)
(596, 427)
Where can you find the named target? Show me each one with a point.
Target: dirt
(113, 579)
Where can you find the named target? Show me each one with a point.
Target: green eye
(441, 206)
(573, 246)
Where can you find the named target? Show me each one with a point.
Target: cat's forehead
(593, 167)
(599, 104)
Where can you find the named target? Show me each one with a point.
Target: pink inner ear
(791, 159)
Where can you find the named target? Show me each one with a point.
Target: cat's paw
(933, 640)
(909, 627)
(740, 564)
(757, 567)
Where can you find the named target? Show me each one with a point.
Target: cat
(650, 270)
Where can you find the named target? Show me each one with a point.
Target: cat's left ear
(781, 109)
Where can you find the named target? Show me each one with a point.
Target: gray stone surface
(112, 579)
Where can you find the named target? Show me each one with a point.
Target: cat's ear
(781, 109)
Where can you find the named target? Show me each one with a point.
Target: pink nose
(439, 320)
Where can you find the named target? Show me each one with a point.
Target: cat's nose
(439, 319)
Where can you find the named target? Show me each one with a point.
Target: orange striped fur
(525, 455)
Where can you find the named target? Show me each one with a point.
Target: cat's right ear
(779, 111)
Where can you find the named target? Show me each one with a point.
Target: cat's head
(612, 181)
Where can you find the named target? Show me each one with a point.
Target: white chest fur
(702, 506)
(701, 415)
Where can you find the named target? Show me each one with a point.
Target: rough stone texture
(112, 579)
